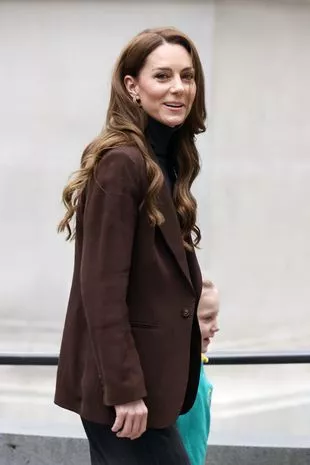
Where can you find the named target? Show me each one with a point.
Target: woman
(130, 355)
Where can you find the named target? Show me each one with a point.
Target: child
(194, 426)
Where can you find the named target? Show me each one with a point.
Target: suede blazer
(131, 329)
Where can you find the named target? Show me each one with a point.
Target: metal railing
(215, 358)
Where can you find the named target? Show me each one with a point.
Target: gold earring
(136, 99)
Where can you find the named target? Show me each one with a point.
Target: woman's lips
(174, 106)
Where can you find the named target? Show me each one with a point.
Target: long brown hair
(125, 125)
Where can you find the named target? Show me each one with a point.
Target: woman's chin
(172, 120)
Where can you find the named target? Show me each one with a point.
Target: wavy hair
(125, 125)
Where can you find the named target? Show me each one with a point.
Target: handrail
(258, 358)
(214, 358)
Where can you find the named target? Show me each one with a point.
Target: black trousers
(154, 447)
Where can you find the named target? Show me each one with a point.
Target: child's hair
(208, 287)
(207, 284)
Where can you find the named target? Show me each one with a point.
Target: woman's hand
(131, 419)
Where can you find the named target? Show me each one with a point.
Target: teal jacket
(194, 426)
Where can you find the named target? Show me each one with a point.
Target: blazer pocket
(143, 324)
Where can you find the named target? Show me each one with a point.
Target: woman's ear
(131, 86)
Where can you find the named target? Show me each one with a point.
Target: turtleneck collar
(159, 135)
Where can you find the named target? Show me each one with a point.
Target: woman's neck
(159, 135)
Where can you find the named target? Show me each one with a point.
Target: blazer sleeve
(110, 216)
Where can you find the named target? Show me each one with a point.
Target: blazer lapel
(195, 272)
(171, 231)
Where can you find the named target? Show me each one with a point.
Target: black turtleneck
(161, 140)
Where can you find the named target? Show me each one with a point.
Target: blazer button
(186, 313)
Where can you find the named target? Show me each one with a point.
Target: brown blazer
(131, 329)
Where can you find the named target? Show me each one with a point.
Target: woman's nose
(177, 86)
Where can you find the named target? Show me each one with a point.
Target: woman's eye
(188, 77)
(162, 76)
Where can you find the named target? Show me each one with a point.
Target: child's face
(208, 310)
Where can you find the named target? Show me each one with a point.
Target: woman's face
(166, 84)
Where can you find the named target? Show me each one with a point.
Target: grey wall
(32, 450)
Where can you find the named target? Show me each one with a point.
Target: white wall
(257, 219)
(56, 63)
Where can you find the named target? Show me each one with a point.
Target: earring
(136, 99)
